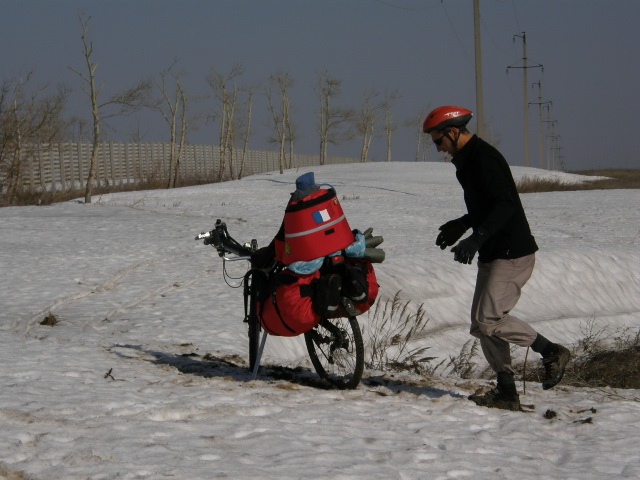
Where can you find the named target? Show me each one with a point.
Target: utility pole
(479, 100)
(539, 103)
(550, 124)
(554, 148)
(524, 68)
(561, 165)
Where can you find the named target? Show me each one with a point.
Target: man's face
(443, 142)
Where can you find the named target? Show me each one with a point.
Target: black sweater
(493, 203)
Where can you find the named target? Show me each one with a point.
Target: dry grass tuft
(50, 320)
(603, 358)
(392, 329)
(616, 179)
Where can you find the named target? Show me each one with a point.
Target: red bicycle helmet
(445, 117)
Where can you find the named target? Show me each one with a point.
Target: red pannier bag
(373, 287)
(287, 311)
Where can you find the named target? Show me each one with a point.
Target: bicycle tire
(336, 351)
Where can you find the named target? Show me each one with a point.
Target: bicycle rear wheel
(337, 352)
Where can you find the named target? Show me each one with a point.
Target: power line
(402, 8)
(454, 30)
(515, 14)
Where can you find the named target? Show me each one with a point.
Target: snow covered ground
(136, 296)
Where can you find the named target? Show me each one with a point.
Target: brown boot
(504, 396)
(554, 366)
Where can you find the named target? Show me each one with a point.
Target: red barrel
(315, 227)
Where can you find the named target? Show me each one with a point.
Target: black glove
(467, 248)
(450, 233)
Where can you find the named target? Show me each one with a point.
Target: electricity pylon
(524, 68)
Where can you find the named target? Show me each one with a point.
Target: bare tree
(288, 123)
(27, 120)
(389, 126)
(77, 126)
(277, 124)
(415, 124)
(173, 108)
(121, 103)
(225, 90)
(332, 119)
(246, 130)
(281, 123)
(365, 121)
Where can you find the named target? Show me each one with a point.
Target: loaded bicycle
(334, 344)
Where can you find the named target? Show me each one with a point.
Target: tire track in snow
(108, 286)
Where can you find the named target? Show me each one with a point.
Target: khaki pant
(498, 289)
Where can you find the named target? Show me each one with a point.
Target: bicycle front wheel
(337, 352)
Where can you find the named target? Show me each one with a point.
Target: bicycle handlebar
(220, 239)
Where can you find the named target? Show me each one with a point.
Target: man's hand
(450, 233)
(467, 248)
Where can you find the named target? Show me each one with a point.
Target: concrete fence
(65, 166)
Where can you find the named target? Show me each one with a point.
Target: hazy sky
(423, 49)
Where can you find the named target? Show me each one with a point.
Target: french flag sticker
(320, 216)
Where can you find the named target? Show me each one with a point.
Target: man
(502, 238)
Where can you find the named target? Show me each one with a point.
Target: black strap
(306, 290)
(275, 305)
(330, 193)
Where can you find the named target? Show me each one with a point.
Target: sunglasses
(438, 141)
